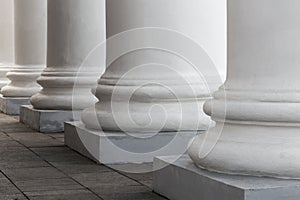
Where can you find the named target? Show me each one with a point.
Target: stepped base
(183, 180)
(11, 105)
(46, 121)
(121, 148)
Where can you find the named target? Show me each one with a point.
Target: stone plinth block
(46, 121)
(182, 180)
(11, 105)
(119, 147)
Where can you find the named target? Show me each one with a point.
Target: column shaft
(6, 39)
(30, 48)
(75, 28)
(148, 89)
(261, 131)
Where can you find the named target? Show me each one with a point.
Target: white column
(261, 133)
(150, 89)
(30, 48)
(6, 39)
(75, 28)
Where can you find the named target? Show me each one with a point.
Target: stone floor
(39, 167)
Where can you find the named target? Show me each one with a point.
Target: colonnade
(147, 87)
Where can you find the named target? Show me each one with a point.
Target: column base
(46, 121)
(11, 105)
(183, 180)
(122, 148)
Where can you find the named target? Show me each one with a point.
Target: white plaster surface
(75, 29)
(6, 39)
(110, 147)
(149, 90)
(30, 48)
(260, 136)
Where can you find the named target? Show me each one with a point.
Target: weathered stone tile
(105, 178)
(13, 197)
(61, 156)
(63, 195)
(148, 183)
(48, 185)
(9, 143)
(17, 154)
(131, 196)
(53, 150)
(23, 164)
(16, 129)
(31, 172)
(7, 188)
(83, 168)
(140, 176)
(133, 168)
(34, 139)
(55, 135)
(118, 189)
(24, 174)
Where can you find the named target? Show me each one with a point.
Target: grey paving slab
(9, 143)
(117, 189)
(105, 178)
(24, 174)
(43, 168)
(16, 129)
(55, 135)
(23, 164)
(132, 196)
(13, 197)
(82, 168)
(34, 139)
(4, 137)
(7, 188)
(62, 155)
(63, 195)
(48, 185)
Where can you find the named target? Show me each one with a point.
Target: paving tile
(105, 178)
(133, 168)
(140, 176)
(23, 164)
(117, 189)
(61, 156)
(63, 195)
(24, 174)
(34, 139)
(7, 188)
(44, 169)
(48, 185)
(17, 154)
(13, 197)
(4, 137)
(148, 183)
(132, 196)
(16, 129)
(56, 135)
(9, 143)
(83, 168)
(143, 178)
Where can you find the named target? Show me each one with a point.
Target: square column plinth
(11, 105)
(183, 180)
(46, 121)
(123, 148)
